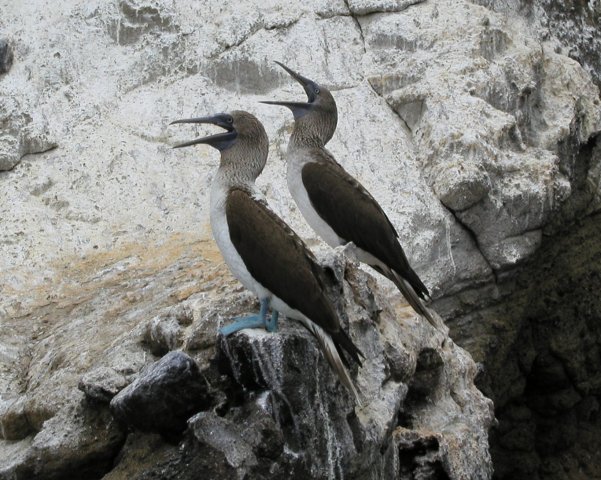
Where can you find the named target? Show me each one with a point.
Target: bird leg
(271, 325)
(253, 321)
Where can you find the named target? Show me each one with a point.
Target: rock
(541, 333)
(270, 368)
(521, 437)
(223, 436)
(277, 422)
(98, 344)
(400, 362)
(102, 384)
(137, 17)
(6, 56)
(22, 133)
(417, 455)
(513, 250)
(9, 155)
(260, 429)
(148, 456)
(427, 373)
(475, 124)
(213, 446)
(163, 334)
(13, 420)
(166, 331)
(282, 422)
(163, 397)
(77, 442)
(479, 166)
(364, 7)
(461, 185)
(573, 26)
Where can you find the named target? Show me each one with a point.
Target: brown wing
(278, 259)
(355, 215)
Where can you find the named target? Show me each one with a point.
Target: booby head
(220, 141)
(243, 145)
(317, 117)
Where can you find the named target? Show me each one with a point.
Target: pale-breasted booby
(261, 250)
(335, 204)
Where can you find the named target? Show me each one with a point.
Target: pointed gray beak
(291, 105)
(219, 140)
(310, 87)
(297, 76)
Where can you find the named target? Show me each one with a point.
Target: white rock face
(482, 107)
(487, 124)
(452, 115)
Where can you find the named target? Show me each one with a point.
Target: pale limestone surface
(449, 113)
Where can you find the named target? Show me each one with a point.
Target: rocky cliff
(474, 124)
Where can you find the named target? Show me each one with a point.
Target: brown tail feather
(341, 339)
(331, 352)
(412, 297)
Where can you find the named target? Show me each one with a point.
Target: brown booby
(335, 204)
(261, 250)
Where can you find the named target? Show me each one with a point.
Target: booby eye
(230, 120)
(316, 91)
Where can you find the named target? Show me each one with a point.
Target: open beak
(220, 120)
(308, 85)
(297, 76)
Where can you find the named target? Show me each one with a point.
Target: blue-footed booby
(335, 204)
(261, 250)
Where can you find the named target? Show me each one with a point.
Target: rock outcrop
(475, 124)
(257, 404)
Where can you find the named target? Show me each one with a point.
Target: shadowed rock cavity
(546, 373)
(540, 343)
(6, 56)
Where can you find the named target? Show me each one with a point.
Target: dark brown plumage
(261, 250)
(278, 259)
(336, 205)
(355, 216)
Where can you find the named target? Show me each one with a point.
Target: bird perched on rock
(261, 250)
(335, 204)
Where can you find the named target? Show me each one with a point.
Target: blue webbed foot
(253, 321)
(240, 323)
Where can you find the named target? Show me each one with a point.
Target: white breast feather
(236, 264)
(231, 256)
(221, 233)
(296, 160)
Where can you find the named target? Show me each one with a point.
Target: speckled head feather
(247, 157)
(244, 145)
(316, 119)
